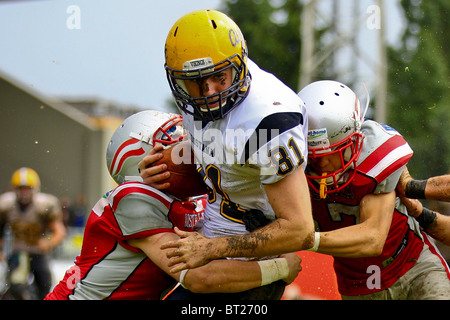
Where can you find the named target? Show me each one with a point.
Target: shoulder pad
(7, 201)
(140, 208)
(384, 151)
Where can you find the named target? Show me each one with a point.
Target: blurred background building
(65, 142)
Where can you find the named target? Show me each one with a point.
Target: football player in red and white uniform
(121, 256)
(353, 169)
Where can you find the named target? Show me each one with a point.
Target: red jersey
(109, 268)
(383, 157)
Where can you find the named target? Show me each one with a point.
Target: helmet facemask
(349, 151)
(169, 132)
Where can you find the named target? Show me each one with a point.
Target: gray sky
(114, 51)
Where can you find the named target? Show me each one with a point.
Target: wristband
(182, 275)
(426, 218)
(273, 270)
(415, 189)
(316, 242)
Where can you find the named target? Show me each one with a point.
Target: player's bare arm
(290, 199)
(440, 229)
(293, 230)
(58, 233)
(434, 188)
(366, 238)
(437, 226)
(438, 188)
(220, 275)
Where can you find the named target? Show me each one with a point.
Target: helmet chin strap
(323, 186)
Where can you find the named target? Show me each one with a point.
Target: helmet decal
(235, 38)
(129, 148)
(318, 139)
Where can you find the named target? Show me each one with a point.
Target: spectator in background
(78, 210)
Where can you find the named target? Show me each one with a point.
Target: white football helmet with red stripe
(136, 136)
(334, 126)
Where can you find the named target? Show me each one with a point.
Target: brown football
(184, 179)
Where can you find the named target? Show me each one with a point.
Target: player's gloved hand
(152, 175)
(183, 215)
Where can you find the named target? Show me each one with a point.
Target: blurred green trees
(419, 83)
(272, 33)
(418, 68)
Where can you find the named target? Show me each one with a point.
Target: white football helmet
(335, 119)
(136, 136)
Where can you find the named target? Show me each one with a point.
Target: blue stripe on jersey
(271, 126)
(387, 128)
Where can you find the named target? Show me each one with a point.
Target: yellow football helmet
(26, 177)
(199, 45)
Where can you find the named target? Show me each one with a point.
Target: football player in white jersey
(121, 256)
(353, 170)
(248, 134)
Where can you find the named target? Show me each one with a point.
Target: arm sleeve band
(273, 270)
(426, 218)
(415, 189)
(316, 242)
